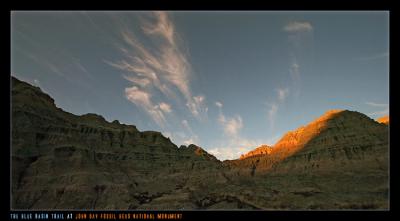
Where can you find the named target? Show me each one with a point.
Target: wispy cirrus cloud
(54, 61)
(376, 104)
(230, 125)
(161, 67)
(218, 104)
(192, 138)
(282, 94)
(296, 26)
(380, 113)
(300, 36)
(197, 106)
(294, 70)
(233, 143)
(185, 136)
(273, 107)
(272, 111)
(186, 125)
(384, 109)
(163, 27)
(143, 99)
(373, 57)
(166, 108)
(234, 148)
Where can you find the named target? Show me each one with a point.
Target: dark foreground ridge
(64, 161)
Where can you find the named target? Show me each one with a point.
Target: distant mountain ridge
(64, 161)
(261, 150)
(347, 129)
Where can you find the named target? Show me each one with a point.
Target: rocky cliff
(342, 156)
(259, 151)
(60, 160)
(337, 138)
(64, 161)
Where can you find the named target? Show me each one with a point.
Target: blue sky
(226, 81)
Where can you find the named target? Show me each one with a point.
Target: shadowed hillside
(60, 160)
(64, 161)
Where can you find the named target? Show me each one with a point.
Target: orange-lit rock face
(293, 141)
(262, 150)
(64, 161)
(330, 140)
(383, 120)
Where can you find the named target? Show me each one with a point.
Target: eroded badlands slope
(64, 161)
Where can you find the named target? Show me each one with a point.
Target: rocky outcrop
(383, 120)
(337, 137)
(60, 160)
(64, 161)
(341, 157)
(259, 151)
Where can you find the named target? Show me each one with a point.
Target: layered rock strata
(63, 161)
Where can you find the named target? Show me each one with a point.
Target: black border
(239, 5)
(177, 5)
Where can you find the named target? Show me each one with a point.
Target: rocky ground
(63, 161)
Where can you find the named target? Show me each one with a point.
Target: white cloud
(187, 127)
(163, 27)
(272, 114)
(221, 119)
(191, 140)
(300, 36)
(232, 126)
(384, 109)
(282, 94)
(294, 70)
(376, 104)
(380, 113)
(36, 82)
(143, 99)
(272, 111)
(81, 68)
(373, 57)
(143, 82)
(229, 153)
(233, 144)
(161, 66)
(197, 106)
(166, 108)
(218, 104)
(183, 137)
(134, 94)
(234, 148)
(296, 26)
(167, 134)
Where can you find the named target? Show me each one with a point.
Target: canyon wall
(63, 161)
